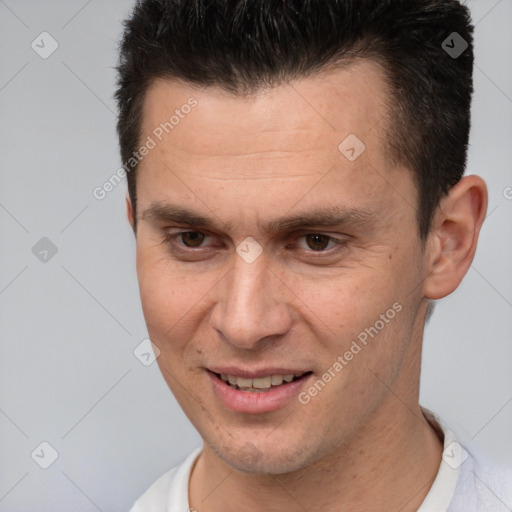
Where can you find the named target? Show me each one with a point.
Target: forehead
(275, 148)
(311, 113)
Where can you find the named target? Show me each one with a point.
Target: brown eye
(317, 242)
(192, 238)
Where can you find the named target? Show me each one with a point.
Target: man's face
(298, 293)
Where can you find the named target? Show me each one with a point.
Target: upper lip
(255, 373)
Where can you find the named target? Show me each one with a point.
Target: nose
(251, 308)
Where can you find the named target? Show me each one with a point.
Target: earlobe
(130, 213)
(454, 236)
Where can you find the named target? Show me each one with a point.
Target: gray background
(68, 375)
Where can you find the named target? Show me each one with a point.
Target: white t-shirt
(464, 483)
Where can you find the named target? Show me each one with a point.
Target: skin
(362, 443)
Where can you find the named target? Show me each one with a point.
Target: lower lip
(256, 402)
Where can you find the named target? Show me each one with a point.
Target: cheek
(363, 312)
(171, 307)
(347, 299)
(174, 298)
(163, 292)
(159, 295)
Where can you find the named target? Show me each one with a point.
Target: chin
(264, 458)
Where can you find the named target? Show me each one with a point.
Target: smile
(257, 395)
(260, 384)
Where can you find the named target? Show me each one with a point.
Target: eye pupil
(317, 242)
(194, 237)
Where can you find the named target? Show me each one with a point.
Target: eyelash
(170, 238)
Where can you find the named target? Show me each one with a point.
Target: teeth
(258, 383)
(262, 382)
(244, 383)
(277, 380)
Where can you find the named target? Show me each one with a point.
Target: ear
(454, 235)
(130, 213)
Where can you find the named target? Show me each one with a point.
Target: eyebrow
(320, 217)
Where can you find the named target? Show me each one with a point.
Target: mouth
(257, 393)
(259, 384)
